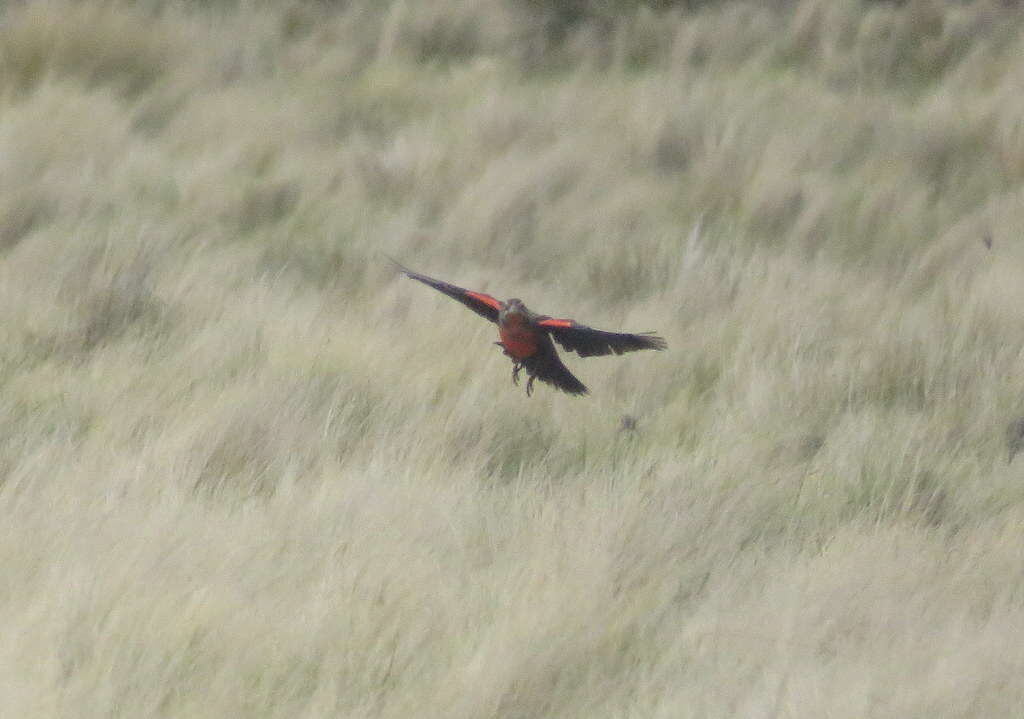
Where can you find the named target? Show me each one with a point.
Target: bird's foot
(516, 368)
(529, 385)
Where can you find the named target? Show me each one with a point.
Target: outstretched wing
(588, 342)
(484, 305)
(546, 365)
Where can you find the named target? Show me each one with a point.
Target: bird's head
(513, 306)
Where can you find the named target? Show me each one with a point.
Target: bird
(526, 337)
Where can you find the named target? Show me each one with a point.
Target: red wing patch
(484, 299)
(559, 324)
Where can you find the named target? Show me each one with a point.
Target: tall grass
(247, 470)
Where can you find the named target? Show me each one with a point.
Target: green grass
(248, 470)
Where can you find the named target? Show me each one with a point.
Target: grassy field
(247, 470)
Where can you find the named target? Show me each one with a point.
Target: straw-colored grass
(247, 470)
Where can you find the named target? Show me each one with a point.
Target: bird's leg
(517, 367)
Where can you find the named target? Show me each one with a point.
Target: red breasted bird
(526, 336)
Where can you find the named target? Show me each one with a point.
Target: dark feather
(484, 305)
(547, 366)
(588, 342)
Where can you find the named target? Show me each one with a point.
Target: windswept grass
(246, 470)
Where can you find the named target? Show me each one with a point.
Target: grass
(247, 470)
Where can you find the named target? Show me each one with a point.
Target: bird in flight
(526, 337)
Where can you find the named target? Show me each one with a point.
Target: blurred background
(247, 468)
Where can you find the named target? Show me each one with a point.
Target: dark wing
(588, 342)
(483, 305)
(546, 366)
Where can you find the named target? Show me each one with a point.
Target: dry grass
(245, 470)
